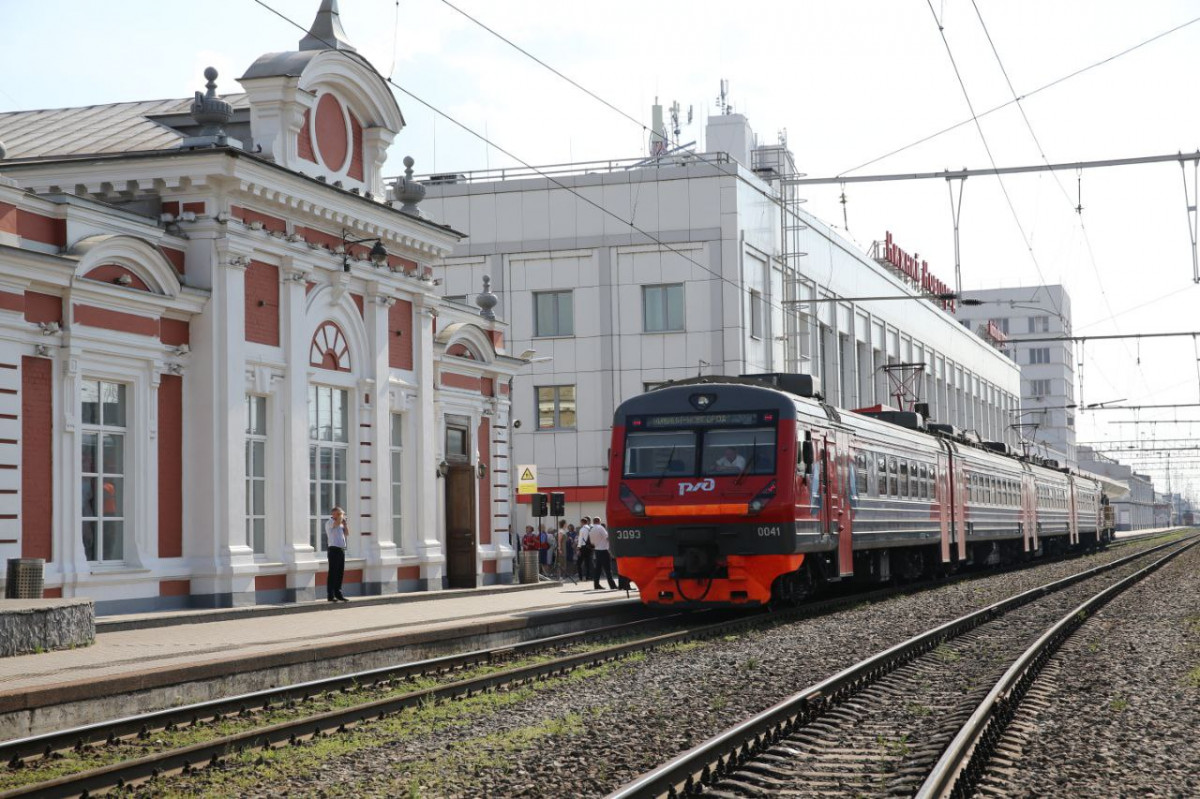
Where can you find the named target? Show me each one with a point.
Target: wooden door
(460, 526)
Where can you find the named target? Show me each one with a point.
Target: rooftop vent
(998, 447)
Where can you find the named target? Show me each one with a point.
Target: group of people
(585, 546)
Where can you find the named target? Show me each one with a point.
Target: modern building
(1029, 323)
(1135, 508)
(213, 328)
(620, 275)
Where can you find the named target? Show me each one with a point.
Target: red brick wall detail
(358, 300)
(404, 264)
(108, 273)
(497, 337)
(271, 223)
(170, 467)
(304, 147)
(171, 207)
(43, 308)
(196, 207)
(485, 485)
(453, 380)
(174, 332)
(461, 351)
(37, 459)
(174, 587)
(314, 236)
(408, 573)
(52, 593)
(42, 229)
(262, 303)
(270, 582)
(400, 335)
(115, 320)
(12, 302)
(176, 257)
(331, 132)
(504, 389)
(349, 577)
(8, 218)
(487, 387)
(489, 567)
(356, 157)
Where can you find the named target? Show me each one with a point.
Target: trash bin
(26, 577)
(529, 566)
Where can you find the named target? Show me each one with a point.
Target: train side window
(881, 470)
(862, 477)
(904, 479)
(893, 478)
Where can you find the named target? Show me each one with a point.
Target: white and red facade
(191, 372)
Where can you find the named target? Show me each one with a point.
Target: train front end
(701, 493)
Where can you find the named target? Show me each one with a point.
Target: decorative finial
(326, 32)
(212, 114)
(408, 191)
(487, 300)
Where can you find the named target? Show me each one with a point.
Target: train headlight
(631, 501)
(761, 499)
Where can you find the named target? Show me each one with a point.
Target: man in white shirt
(583, 553)
(731, 461)
(598, 537)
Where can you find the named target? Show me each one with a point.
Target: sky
(849, 82)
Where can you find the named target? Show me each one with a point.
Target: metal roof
(96, 129)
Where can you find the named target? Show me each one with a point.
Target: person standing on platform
(598, 537)
(584, 566)
(337, 532)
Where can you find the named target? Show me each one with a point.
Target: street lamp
(378, 254)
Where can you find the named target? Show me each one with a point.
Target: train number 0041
(766, 531)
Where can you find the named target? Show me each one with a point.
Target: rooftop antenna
(675, 122)
(658, 131)
(689, 115)
(723, 98)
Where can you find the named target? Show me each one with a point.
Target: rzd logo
(703, 485)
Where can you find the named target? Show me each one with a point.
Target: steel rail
(691, 771)
(965, 759)
(13, 751)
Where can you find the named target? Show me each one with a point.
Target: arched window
(329, 349)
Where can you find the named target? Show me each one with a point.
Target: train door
(841, 520)
(1072, 512)
(945, 498)
(1029, 510)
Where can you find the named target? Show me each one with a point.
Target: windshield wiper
(746, 467)
(663, 474)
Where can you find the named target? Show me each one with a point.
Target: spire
(326, 32)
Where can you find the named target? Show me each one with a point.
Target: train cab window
(881, 470)
(893, 478)
(660, 454)
(743, 451)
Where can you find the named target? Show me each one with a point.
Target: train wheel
(794, 587)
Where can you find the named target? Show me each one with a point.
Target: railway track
(920, 718)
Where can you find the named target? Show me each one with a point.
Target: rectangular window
(904, 491)
(102, 469)
(256, 474)
(893, 478)
(1039, 355)
(328, 457)
(553, 313)
(397, 474)
(881, 472)
(662, 308)
(1039, 388)
(756, 314)
(1039, 324)
(556, 407)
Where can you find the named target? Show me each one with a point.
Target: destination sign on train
(701, 420)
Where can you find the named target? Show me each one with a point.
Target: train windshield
(722, 452)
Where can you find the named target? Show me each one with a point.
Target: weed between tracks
(265, 772)
(100, 755)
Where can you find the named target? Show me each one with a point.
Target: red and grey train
(748, 490)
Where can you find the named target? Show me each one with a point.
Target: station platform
(206, 651)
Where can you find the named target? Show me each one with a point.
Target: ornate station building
(216, 323)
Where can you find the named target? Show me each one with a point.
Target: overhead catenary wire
(1024, 96)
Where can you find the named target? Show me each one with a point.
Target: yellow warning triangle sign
(527, 474)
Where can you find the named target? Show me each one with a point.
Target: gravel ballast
(589, 733)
